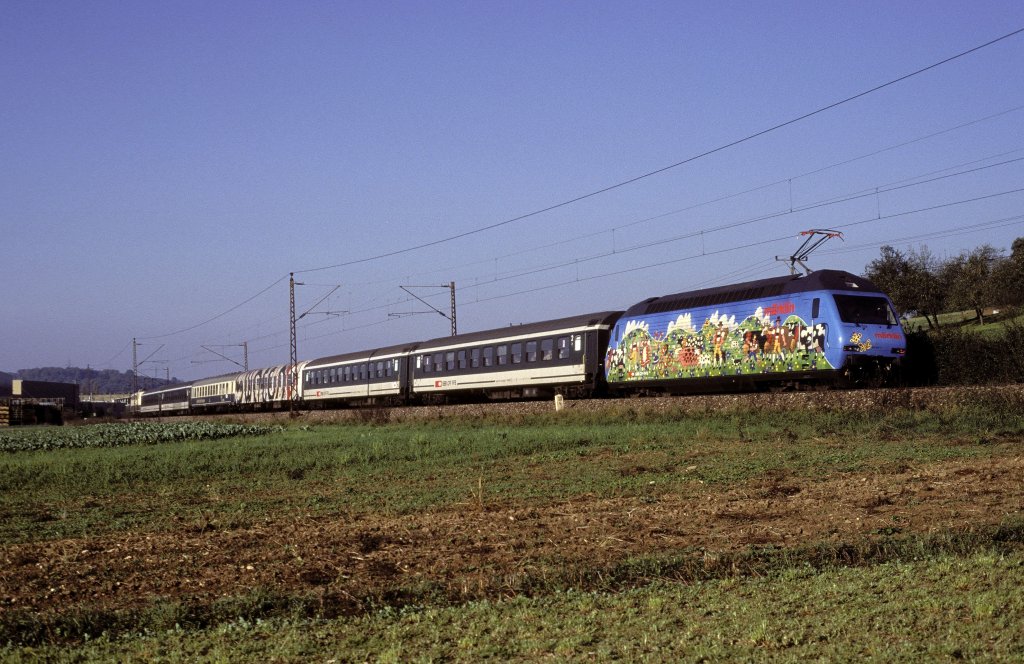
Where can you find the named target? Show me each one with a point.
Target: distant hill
(94, 381)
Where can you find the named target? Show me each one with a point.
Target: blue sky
(164, 163)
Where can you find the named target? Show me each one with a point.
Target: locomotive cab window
(864, 310)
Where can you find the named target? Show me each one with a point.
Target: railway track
(880, 400)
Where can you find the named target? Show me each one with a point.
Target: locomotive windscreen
(865, 310)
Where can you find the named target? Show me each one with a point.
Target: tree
(924, 283)
(912, 281)
(889, 272)
(968, 278)
(1007, 280)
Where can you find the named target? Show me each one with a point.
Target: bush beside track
(959, 356)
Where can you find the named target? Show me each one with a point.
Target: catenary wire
(682, 162)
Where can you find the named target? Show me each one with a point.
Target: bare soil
(485, 546)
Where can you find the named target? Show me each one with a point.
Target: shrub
(957, 357)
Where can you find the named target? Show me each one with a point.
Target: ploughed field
(879, 524)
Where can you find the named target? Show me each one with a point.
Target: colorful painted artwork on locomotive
(764, 342)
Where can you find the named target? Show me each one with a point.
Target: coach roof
(606, 318)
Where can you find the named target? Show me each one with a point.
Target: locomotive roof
(772, 287)
(583, 320)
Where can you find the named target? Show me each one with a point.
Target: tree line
(921, 283)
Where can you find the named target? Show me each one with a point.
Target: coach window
(462, 359)
(502, 354)
(424, 363)
(438, 361)
(547, 349)
(531, 351)
(380, 369)
(387, 368)
(449, 360)
(474, 358)
(517, 353)
(488, 356)
(563, 347)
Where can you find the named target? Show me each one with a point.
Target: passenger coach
(377, 376)
(534, 360)
(172, 400)
(217, 393)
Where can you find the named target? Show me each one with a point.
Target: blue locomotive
(825, 328)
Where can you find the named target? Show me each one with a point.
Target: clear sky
(165, 164)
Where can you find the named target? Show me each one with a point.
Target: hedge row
(957, 357)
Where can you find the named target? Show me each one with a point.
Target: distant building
(37, 402)
(63, 394)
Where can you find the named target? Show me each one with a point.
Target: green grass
(937, 609)
(413, 467)
(968, 321)
(886, 598)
